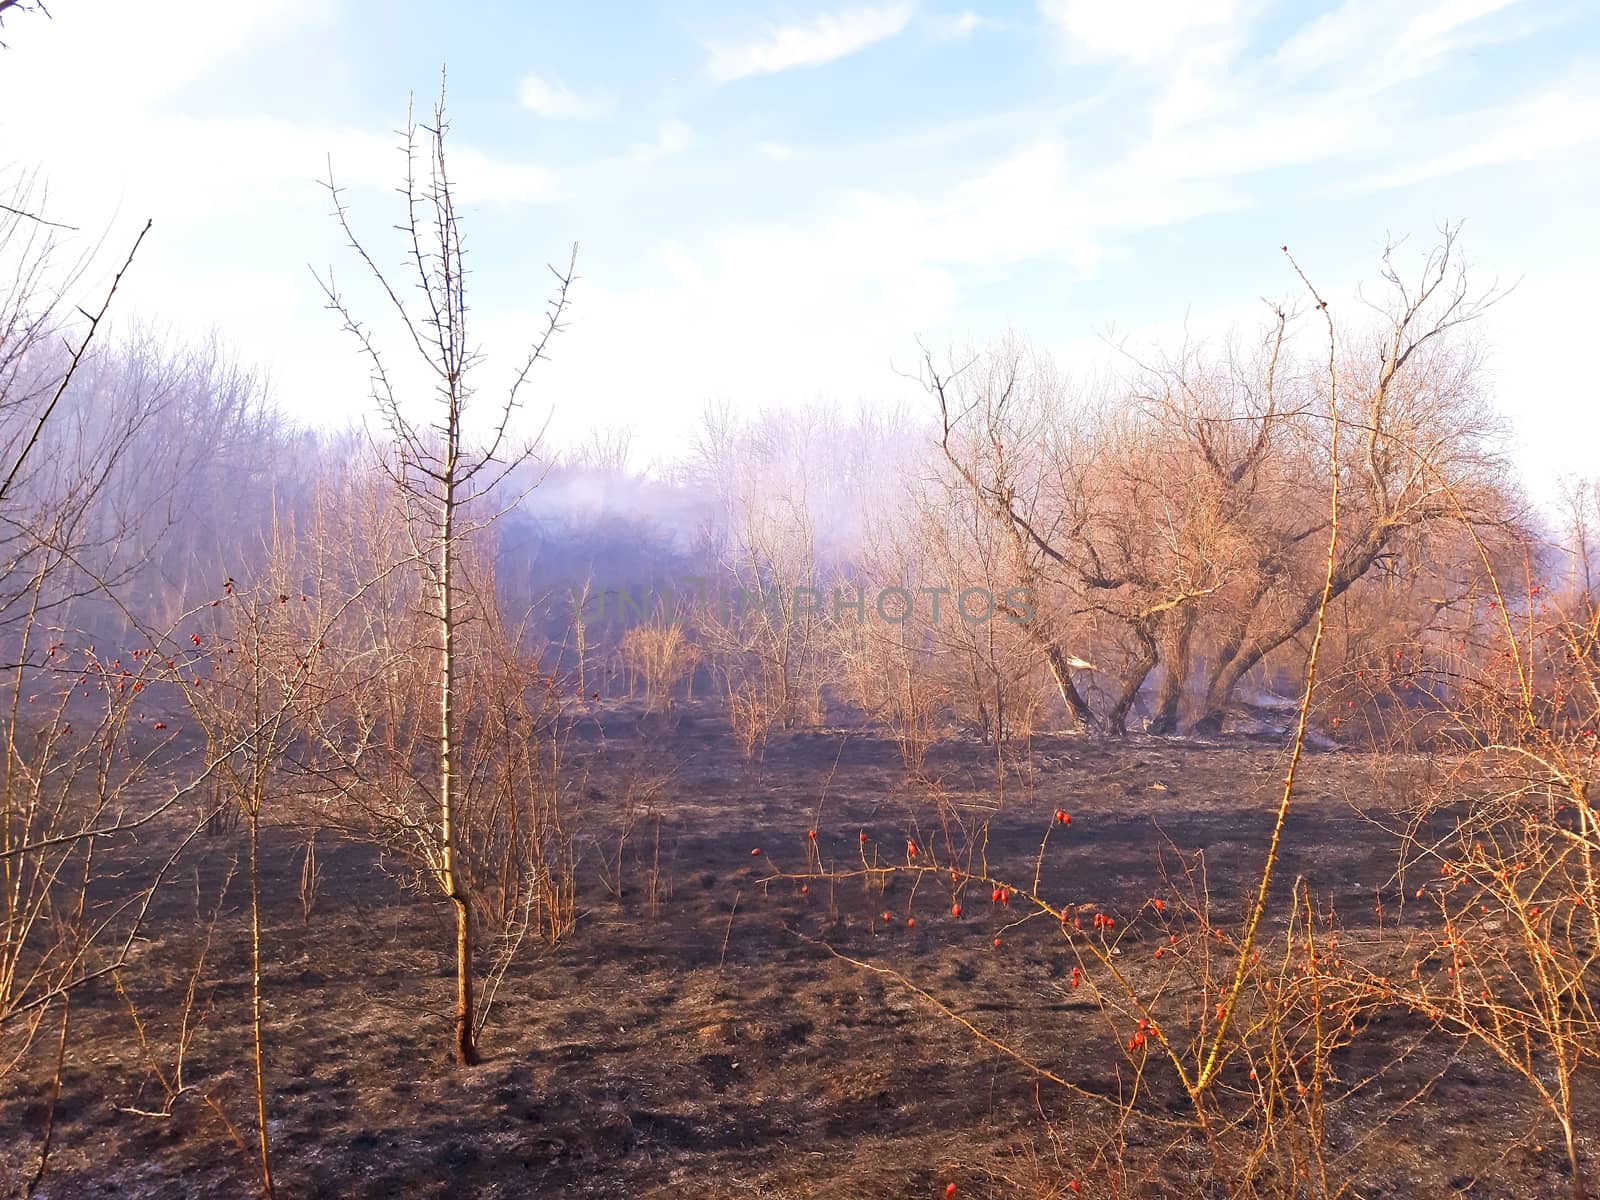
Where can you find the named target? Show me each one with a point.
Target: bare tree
(442, 482)
(1421, 447)
(763, 613)
(1182, 524)
(993, 412)
(7, 7)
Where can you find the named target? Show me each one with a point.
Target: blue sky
(774, 201)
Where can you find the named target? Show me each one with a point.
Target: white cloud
(740, 312)
(1538, 127)
(1428, 27)
(1187, 49)
(553, 100)
(673, 137)
(1142, 31)
(1539, 337)
(96, 38)
(955, 26)
(1381, 37)
(830, 37)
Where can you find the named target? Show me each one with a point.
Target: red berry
(805, 888)
(911, 922)
(812, 834)
(949, 1190)
(955, 909)
(756, 853)
(997, 943)
(888, 918)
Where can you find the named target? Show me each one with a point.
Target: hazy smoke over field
(1163, 524)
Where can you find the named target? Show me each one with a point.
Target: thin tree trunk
(1170, 697)
(1578, 1190)
(1061, 672)
(1247, 652)
(55, 1096)
(1214, 708)
(454, 885)
(1117, 719)
(255, 1003)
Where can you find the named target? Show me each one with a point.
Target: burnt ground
(709, 1044)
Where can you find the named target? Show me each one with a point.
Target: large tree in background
(1174, 527)
(1003, 426)
(1422, 452)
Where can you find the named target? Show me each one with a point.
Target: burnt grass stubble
(693, 1054)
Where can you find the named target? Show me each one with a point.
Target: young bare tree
(245, 708)
(72, 777)
(443, 482)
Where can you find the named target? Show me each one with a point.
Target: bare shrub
(661, 654)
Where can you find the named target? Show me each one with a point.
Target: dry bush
(75, 775)
(165, 1036)
(79, 738)
(642, 787)
(886, 671)
(762, 623)
(1505, 847)
(661, 654)
(750, 719)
